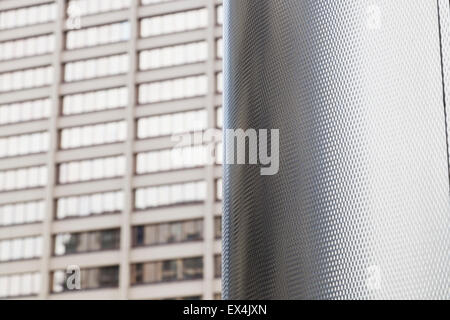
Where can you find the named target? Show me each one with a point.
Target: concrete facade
(206, 287)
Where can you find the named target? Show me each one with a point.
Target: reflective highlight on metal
(360, 92)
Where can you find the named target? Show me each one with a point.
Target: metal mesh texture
(360, 206)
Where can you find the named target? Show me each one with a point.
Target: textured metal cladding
(444, 21)
(360, 206)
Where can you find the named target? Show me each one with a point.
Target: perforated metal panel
(360, 206)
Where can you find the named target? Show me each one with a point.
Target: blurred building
(91, 94)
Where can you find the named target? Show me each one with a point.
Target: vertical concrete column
(208, 230)
(53, 148)
(125, 236)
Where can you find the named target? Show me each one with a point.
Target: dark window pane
(166, 233)
(193, 268)
(169, 270)
(109, 239)
(218, 266)
(218, 227)
(86, 242)
(138, 236)
(108, 277)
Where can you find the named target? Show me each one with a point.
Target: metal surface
(206, 287)
(360, 206)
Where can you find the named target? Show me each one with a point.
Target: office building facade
(93, 181)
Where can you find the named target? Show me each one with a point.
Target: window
(170, 124)
(218, 266)
(26, 79)
(171, 159)
(166, 271)
(24, 144)
(166, 233)
(25, 178)
(219, 15)
(20, 285)
(219, 118)
(28, 47)
(173, 56)
(89, 205)
(70, 243)
(192, 268)
(218, 227)
(219, 153)
(93, 169)
(22, 213)
(25, 111)
(173, 89)
(219, 82)
(95, 101)
(166, 195)
(174, 22)
(89, 7)
(148, 2)
(20, 249)
(219, 192)
(27, 16)
(95, 68)
(219, 48)
(92, 278)
(93, 135)
(100, 35)
(193, 298)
